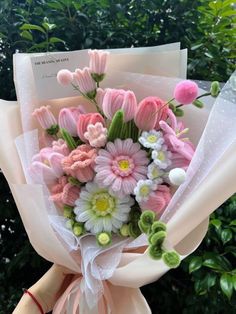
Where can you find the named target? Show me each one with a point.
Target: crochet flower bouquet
(116, 189)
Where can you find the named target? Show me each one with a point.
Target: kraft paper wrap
(186, 227)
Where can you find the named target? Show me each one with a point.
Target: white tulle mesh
(220, 132)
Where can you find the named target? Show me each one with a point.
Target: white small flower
(101, 211)
(143, 190)
(152, 139)
(155, 173)
(162, 157)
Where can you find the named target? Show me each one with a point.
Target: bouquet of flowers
(111, 174)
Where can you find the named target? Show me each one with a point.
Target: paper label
(45, 68)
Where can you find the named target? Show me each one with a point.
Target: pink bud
(98, 61)
(85, 80)
(45, 117)
(64, 77)
(186, 92)
(85, 120)
(68, 120)
(149, 113)
(116, 99)
(99, 97)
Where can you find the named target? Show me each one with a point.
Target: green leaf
(226, 235)
(27, 35)
(32, 27)
(216, 223)
(49, 26)
(226, 284)
(195, 264)
(233, 223)
(216, 262)
(56, 40)
(195, 47)
(234, 281)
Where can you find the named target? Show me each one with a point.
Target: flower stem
(204, 95)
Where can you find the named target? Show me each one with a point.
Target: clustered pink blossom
(68, 118)
(96, 135)
(45, 117)
(186, 92)
(85, 120)
(80, 163)
(98, 61)
(84, 80)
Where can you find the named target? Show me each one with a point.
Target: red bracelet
(35, 300)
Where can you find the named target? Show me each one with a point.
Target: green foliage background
(205, 281)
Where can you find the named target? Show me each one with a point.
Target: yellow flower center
(144, 191)
(155, 173)
(123, 164)
(102, 204)
(152, 138)
(46, 162)
(161, 156)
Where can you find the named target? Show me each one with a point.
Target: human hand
(46, 291)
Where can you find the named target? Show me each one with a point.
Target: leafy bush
(206, 280)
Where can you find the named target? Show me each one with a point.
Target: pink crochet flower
(85, 120)
(46, 165)
(64, 193)
(85, 80)
(80, 163)
(186, 92)
(120, 166)
(158, 200)
(177, 144)
(98, 61)
(116, 99)
(68, 118)
(44, 117)
(96, 135)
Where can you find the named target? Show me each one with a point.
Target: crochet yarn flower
(152, 139)
(64, 193)
(155, 173)
(80, 163)
(101, 211)
(143, 190)
(120, 166)
(96, 135)
(162, 157)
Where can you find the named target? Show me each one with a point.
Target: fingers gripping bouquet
(112, 172)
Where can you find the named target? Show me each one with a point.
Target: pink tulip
(68, 118)
(85, 81)
(186, 92)
(98, 61)
(64, 193)
(99, 97)
(46, 165)
(149, 113)
(85, 120)
(45, 117)
(64, 77)
(119, 99)
(158, 200)
(80, 163)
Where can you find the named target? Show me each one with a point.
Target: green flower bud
(171, 259)
(158, 238)
(172, 107)
(53, 130)
(68, 139)
(215, 89)
(124, 230)
(98, 77)
(116, 126)
(144, 228)
(158, 226)
(103, 238)
(155, 252)
(134, 230)
(68, 211)
(70, 223)
(148, 217)
(198, 103)
(73, 181)
(179, 112)
(91, 94)
(78, 229)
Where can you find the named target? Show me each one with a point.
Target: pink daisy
(120, 166)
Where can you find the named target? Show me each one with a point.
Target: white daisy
(143, 190)
(152, 139)
(162, 157)
(156, 174)
(101, 211)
